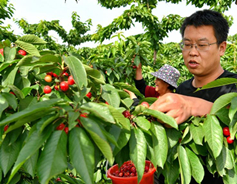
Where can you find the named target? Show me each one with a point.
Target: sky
(35, 10)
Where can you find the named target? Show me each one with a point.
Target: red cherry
(22, 52)
(12, 93)
(50, 73)
(126, 114)
(120, 174)
(55, 75)
(1, 51)
(65, 74)
(47, 89)
(64, 86)
(66, 129)
(226, 131)
(89, 94)
(58, 179)
(146, 104)
(84, 115)
(5, 128)
(229, 140)
(60, 127)
(146, 168)
(56, 87)
(71, 80)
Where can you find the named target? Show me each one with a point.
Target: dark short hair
(208, 17)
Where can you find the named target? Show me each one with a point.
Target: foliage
(95, 133)
(33, 148)
(6, 11)
(75, 37)
(229, 59)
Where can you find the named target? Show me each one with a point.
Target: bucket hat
(169, 74)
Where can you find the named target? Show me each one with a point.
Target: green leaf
(185, 169)
(127, 102)
(137, 60)
(162, 117)
(17, 91)
(138, 148)
(197, 133)
(33, 143)
(128, 87)
(222, 101)
(81, 151)
(31, 163)
(33, 39)
(171, 171)
(220, 162)
(213, 134)
(27, 60)
(99, 110)
(110, 94)
(9, 152)
(98, 137)
(77, 70)
(28, 119)
(11, 99)
(196, 166)
(9, 77)
(173, 136)
(230, 176)
(143, 123)
(233, 117)
(9, 53)
(137, 49)
(29, 48)
(32, 61)
(224, 160)
(3, 104)
(119, 117)
(53, 159)
(160, 144)
(6, 64)
(122, 137)
(218, 83)
(94, 75)
(40, 106)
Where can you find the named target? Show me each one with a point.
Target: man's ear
(222, 48)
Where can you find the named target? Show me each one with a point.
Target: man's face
(202, 62)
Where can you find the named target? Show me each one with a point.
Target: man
(204, 36)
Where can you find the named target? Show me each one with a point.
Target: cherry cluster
(62, 85)
(226, 133)
(128, 169)
(64, 127)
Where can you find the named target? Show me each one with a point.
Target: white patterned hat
(168, 74)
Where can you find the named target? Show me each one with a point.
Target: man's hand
(181, 107)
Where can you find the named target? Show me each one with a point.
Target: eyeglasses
(202, 46)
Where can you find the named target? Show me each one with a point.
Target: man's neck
(200, 81)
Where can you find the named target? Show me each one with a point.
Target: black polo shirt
(186, 88)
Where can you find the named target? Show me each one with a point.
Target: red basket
(147, 178)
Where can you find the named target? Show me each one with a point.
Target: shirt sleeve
(151, 92)
(135, 101)
(140, 85)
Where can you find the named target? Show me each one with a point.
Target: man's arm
(181, 107)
